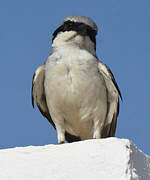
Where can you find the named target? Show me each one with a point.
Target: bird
(73, 89)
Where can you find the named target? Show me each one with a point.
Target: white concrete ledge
(103, 159)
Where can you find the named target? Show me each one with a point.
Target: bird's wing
(38, 93)
(113, 94)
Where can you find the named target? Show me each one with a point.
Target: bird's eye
(68, 25)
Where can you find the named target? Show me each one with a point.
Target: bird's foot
(61, 138)
(96, 134)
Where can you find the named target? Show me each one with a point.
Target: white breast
(75, 91)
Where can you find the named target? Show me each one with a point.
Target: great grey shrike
(74, 90)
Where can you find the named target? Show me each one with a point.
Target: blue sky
(25, 42)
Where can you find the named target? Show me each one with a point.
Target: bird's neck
(71, 38)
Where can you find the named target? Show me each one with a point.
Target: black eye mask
(80, 28)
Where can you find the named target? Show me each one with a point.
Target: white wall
(102, 159)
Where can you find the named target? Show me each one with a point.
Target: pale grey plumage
(82, 19)
(38, 95)
(75, 91)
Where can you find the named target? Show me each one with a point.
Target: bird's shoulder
(108, 76)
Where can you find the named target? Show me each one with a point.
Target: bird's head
(76, 30)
